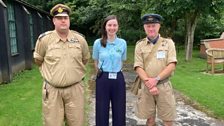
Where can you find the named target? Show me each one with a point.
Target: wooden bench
(214, 52)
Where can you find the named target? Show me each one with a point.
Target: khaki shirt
(165, 54)
(62, 61)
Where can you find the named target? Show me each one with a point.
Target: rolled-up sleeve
(138, 59)
(172, 52)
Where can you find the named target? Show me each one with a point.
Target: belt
(163, 81)
(62, 86)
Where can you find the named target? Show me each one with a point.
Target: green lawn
(20, 103)
(206, 89)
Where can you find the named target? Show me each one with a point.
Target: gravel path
(187, 115)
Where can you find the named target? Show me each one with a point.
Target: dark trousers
(110, 90)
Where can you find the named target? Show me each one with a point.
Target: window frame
(12, 29)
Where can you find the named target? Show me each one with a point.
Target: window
(12, 29)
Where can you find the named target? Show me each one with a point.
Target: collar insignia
(73, 40)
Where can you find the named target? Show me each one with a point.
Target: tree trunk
(191, 22)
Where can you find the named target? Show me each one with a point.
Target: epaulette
(44, 34)
(140, 41)
(78, 33)
(168, 40)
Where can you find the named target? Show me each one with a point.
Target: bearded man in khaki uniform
(61, 55)
(155, 61)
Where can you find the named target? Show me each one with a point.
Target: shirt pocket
(75, 51)
(53, 55)
(146, 53)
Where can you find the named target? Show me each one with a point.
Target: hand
(154, 91)
(151, 82)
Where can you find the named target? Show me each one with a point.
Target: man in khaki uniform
(61, 55)
(155, 61)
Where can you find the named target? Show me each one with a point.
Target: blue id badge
(112, 75)
(160, 55)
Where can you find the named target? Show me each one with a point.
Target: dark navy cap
(151, 18)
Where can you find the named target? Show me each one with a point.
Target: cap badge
(60, 10)
(150, 19)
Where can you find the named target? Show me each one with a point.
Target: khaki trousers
(59, 104)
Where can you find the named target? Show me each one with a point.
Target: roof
(26, 5)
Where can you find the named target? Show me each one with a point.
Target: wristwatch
(158, 78)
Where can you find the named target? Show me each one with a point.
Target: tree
(188, 10)
(128, 13)
(181, 17)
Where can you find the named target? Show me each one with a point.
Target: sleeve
(40, 50)
(95, 54)
(124, 55)
(172, 52)
(138, 59)
(85, 50)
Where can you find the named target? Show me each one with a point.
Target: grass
(130, 54)
(20, 103)
(205, 89)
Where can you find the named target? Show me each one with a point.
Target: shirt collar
(70, 37)
(114, 42)
(56, 36)
(153, 41)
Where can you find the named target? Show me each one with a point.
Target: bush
(132, 35)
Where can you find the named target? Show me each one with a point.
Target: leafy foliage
(87, 16)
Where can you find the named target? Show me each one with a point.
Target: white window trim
(27, 12)
(39, 15)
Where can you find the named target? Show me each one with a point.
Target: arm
(39, 53)
(95, 65)
(38, 62)
(139, 63)
(141, 73)
(138, 66)
(171, 61)
(167, 71)
(149, 82)
(85, 52)
(95, 55)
